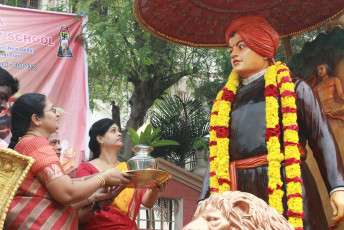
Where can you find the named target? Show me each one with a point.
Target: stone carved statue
(237, 210)
(327, 89)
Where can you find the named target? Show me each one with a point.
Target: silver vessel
(142, 160)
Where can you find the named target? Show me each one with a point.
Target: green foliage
(132, 68)
(183, 120)
(201, 143)
(324, 48)
(121, 53)
(209, 88)
(147, 137)
(299, 41)
(280, 55)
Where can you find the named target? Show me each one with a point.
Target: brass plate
(148, 178)
(13, 169)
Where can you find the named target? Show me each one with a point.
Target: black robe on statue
(247, 139)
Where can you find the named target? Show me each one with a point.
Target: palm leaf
(145, 135)
(181, 120)
(154, 134)
(163, 143)
(134, 136)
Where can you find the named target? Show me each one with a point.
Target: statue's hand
(337, 203)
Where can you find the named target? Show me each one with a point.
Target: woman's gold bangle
(82, 178)
(102, 180)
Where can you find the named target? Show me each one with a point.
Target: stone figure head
(323, 70)
(237, 210)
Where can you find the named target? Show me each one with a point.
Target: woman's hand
(114, 177)
(160, 187)
(337, 203)
(114, 192)
(101, 194)
(152, 194)
(84, 214)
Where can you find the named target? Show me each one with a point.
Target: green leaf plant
(147, 137)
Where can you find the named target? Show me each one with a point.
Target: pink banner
(41, 50)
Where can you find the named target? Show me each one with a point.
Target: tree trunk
(144, 95)
(116, 114)
(288, 48)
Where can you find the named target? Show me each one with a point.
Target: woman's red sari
(33, 207)
(122, 212)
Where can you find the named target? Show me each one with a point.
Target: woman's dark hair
(98, 128)
(22, 110)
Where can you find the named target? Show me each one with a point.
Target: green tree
(207, 87)
(130, 67)
(181, 120)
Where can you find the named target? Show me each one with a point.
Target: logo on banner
(64, 49)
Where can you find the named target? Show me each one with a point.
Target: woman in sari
(105, 141)
(43, 199)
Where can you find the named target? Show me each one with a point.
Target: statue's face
(209, 219)
(245, 61)
(322, 70)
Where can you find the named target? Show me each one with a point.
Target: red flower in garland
(223, 180)
(288, 110)
(227, 95)
(271, 90)
(222, 132)
(272, 132)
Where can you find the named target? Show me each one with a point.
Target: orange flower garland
(276, 77)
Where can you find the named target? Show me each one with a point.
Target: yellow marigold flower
(212, 135)
(288, 102)
(213, 166)
(294, 188)
(212, 150)
(292, 151)
(222, 143)
(213, 120)
(225, 108)
(219, 95)
(291, 135)
(295, 222)
(293, 171)
(289, 119)
(295, 203)
(222, 121)
(216, 106)
(224, 188)
(288, 86)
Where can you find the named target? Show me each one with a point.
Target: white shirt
(253, 77)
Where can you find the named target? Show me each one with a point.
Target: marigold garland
(277, 83)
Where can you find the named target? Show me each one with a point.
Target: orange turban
(256, 33)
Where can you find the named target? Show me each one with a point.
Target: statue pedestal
(201, 165)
